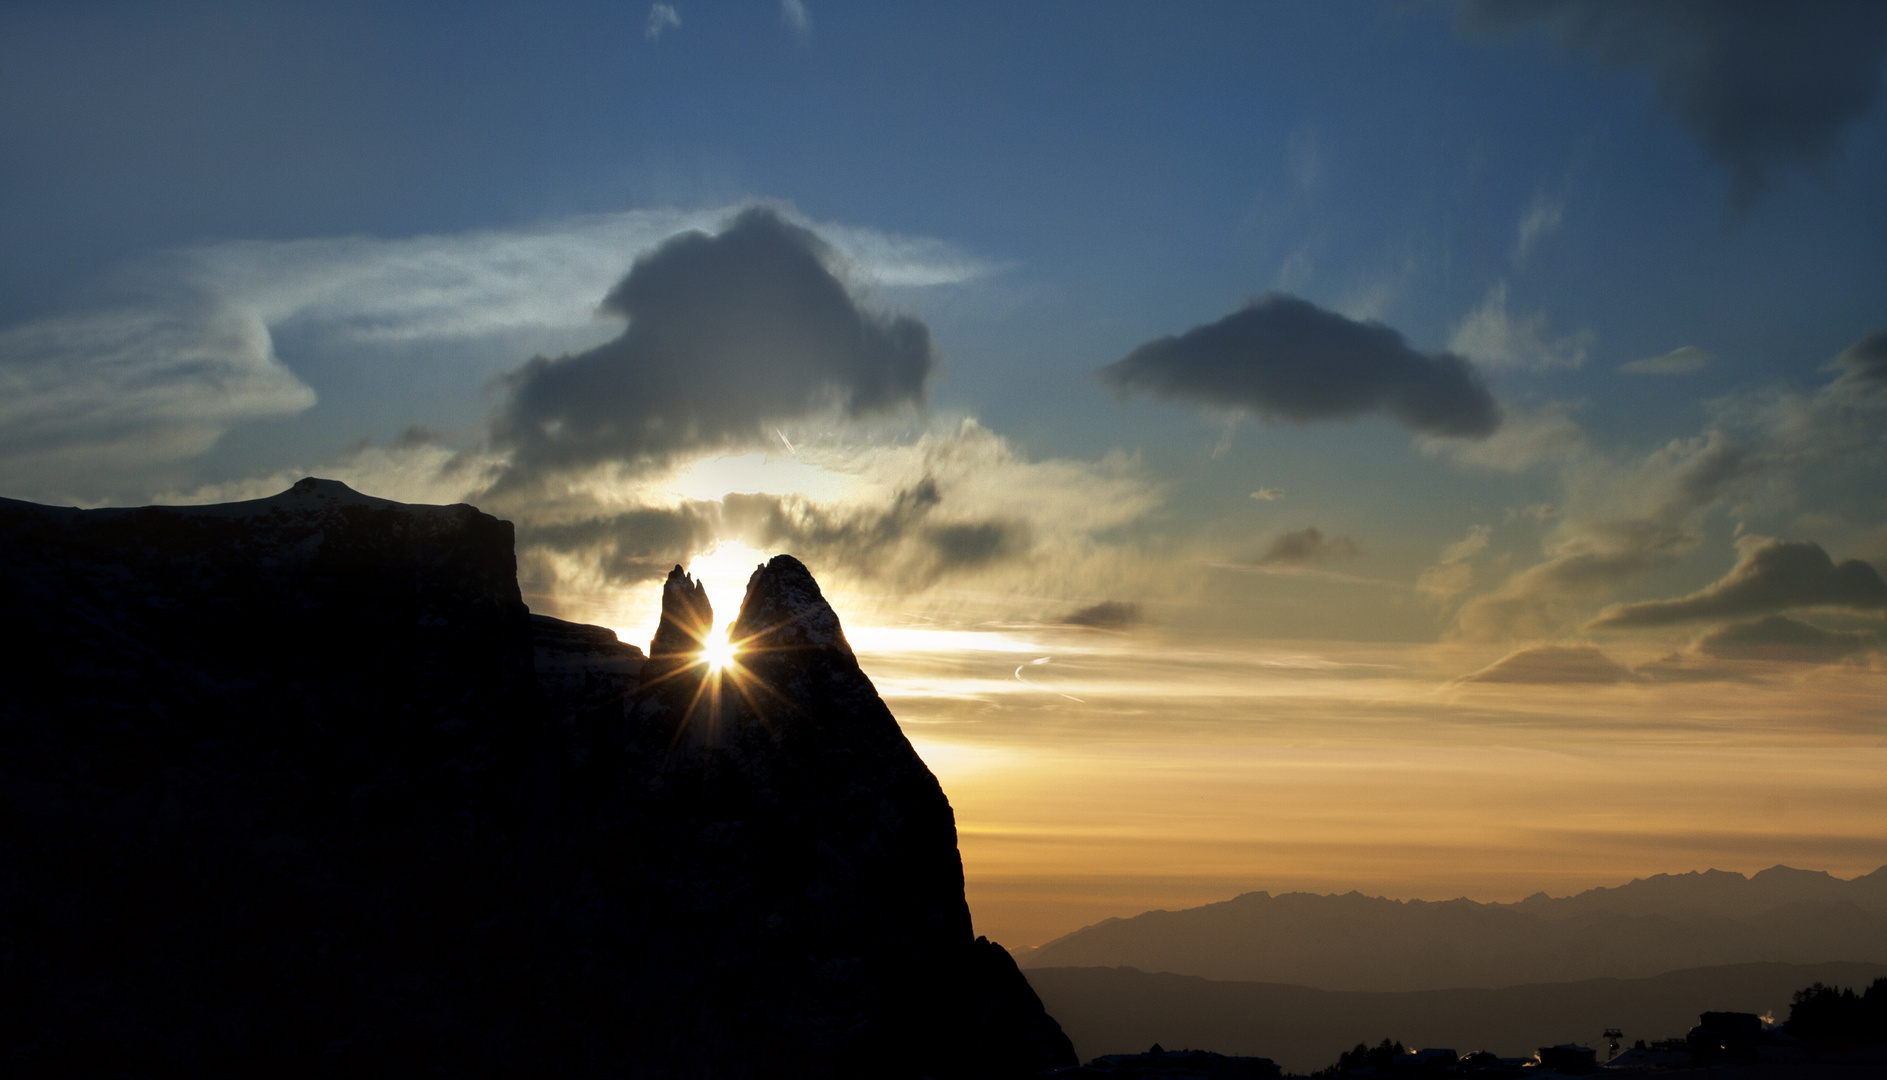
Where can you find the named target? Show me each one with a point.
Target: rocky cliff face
(299, 786)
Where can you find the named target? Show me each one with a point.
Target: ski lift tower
(1612, 1036)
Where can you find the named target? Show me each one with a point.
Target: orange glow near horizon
(1158, 769)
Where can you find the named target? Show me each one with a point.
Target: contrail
(1032, 686)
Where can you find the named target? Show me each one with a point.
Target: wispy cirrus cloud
(1495, 337)
(662, 17)
(1543, 217)
(1679, 361)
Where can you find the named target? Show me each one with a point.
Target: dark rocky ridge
(300, 787)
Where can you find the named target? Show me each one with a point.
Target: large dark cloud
(1284, 357)
(1779, 637)
(1778, 575)
(1764, 85)
(727, 335)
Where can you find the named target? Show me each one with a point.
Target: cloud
(1864, 363)
(1690, 667)
(1527, 437)
(1287, 358)
(1106, 615)
(1307, 546)
(953, 506)
(1765, 87)
(1623, 520)
(1839, 420)
(1542, 219)
(728, 335)
(135, 386)
(1451, 574)
(1268, 494)
(1781, 638)
(1679, 361)
(1553, 664)
(1770, 576)
(1492, 337)
(906, 542)
(93, 399)
(795, 17)
(661, 17)
(419, 466)
(635, 545)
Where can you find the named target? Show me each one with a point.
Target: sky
(1426, 448)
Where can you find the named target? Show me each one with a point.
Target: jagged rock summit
(300, 786)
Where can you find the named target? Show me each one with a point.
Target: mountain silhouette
(1118, 1010)
(1356, 942)
(299, 786)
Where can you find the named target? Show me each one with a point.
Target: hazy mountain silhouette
(299, 786)
(1356, 942)
(1120, 1010)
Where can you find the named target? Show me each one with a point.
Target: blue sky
(240, 243)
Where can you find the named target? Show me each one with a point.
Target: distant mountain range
(1121, 1010)
(1354, 942)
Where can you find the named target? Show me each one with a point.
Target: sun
(716, 651)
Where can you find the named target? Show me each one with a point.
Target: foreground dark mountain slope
(1121, 1010)
(1356, 942)
(300, 787)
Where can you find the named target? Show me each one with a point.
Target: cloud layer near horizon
(1285, 358)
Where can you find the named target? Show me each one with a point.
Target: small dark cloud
(1865, 361)
(1773, 576)
(1781, 638)
(966, 546)
(1287, 358)
(1106, 615)
(728, 335)
(1307, 546)
(1765, 86)
(1553, 664)
(417, 435)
